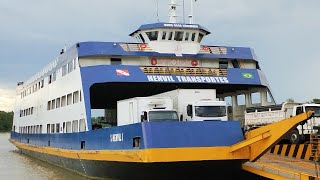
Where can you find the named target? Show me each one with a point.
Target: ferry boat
(53, 109)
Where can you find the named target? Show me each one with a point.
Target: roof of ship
(171, 25)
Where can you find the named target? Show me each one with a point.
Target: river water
(15, 166)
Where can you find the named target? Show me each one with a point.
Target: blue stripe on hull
(152, 134)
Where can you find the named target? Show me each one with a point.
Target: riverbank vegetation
(6, 119)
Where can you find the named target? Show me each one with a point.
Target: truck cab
(157, 115)
(205, 110)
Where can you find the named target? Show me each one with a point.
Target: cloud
(7, 98)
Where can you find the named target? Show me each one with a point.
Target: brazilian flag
(247, 75)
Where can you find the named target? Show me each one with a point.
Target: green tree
(315, 100)
(290, 100)
(6, 119)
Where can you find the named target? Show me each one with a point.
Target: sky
(284, 35)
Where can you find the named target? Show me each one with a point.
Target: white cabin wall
(63, 85)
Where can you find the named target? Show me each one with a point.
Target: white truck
(145, 109)
(197, 104)
(259, 116)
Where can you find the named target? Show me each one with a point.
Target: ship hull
(133, 170)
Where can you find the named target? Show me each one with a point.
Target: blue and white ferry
(53, 109)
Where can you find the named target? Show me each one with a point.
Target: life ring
(194, 62)
(142, 46)
(206, 48)
(153, 61)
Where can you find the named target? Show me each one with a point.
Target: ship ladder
(315, 148)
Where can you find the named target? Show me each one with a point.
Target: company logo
(122, 72)
(247, 75)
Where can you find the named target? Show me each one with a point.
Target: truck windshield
(155, 116)
(210, 111)
(316, 110)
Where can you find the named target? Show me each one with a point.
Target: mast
(173, 12)
(191, 11)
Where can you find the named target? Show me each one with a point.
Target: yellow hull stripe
(145, 155)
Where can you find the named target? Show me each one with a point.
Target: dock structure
(289, 161)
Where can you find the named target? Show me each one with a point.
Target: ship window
(40, 131)
(164, 34)
(75, 64)
(223, 64)
(140, 35)
(70, 67)
(200, 37)
(37, 130)
(80, 96)
(58, 102)
(53, 104)
(255, 98)
(50, 78)
(31, 110)
(170, 35)
(241, 100)
(75, 126)
(76, 97)
(52, 128)
(69, 99)
(257, 65)
(64, 70)
(178, 36)
(63, 101)
(42, 83)
(57, 127)
(193, 36)
(64, 127)
(115, 61)
(54, 76)
(48, 128)
(68, 127)
(186, 38)
(152, 35)
(235, 63)
(49, 105)
(82, 125)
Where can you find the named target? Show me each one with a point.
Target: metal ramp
(289, 161)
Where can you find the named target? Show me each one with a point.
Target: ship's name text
(116, 137)
(192, 79)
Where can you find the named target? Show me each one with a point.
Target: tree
(290, 100)
(6, 119)
(316, 101)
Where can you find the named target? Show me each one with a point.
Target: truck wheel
(294, 137)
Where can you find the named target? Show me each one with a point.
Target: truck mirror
(189, 110)
(145, 116)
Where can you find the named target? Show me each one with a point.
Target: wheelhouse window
(152, 35)
(164, 34)
(170, 35)
(141, 37)
(200, 37)
(186, 38)
(193, 36)
(178, 36)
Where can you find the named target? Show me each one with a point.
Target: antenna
(191, 11)
(158, 10)
(183, 12)
(172, 12)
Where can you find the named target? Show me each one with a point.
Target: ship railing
(195, 71)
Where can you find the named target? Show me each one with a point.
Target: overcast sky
(284, 35)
